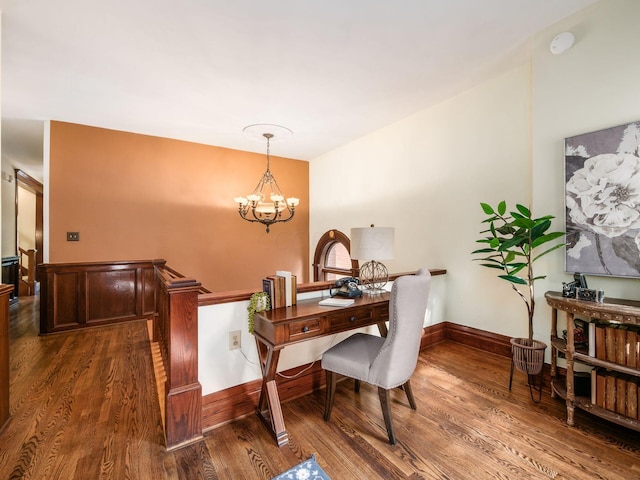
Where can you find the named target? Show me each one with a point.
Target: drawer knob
(352, 319)
(305, 329)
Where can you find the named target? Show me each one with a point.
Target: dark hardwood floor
(84, 406)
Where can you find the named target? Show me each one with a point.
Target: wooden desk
(275, 329)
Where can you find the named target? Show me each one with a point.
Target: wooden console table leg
(571, 350)
(554, 352)
(269, 408)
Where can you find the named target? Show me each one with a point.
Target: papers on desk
(336, 302)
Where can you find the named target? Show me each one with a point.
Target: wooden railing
(79, 295)
(176, 331)
(27, 271)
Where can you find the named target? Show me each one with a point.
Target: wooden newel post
(176, 330)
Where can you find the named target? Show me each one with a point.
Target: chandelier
(267, 204)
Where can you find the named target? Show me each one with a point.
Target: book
(621, 344)
(288, 287)
(632, 398)
(621, 394)
(268, 287)
(610, 343)
(336, 302)
(592, 339)
(631, 344)
(278, 300)
(610, 392)
(600, 341)
(600, 386)
(294, 290)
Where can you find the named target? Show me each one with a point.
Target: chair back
(398, 357)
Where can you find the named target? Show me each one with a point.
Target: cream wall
(426, 176)
(503, 139)
(590, 87)
(26, 219)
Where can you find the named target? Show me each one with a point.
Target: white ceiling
(201, 70)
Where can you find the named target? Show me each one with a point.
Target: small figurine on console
(570, 289)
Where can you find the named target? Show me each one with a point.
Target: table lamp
(372, 244)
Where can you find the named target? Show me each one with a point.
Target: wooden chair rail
(240, 295)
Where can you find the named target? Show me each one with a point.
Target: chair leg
(356, 385)
(330, 394)
(407, 389)
(386, 413)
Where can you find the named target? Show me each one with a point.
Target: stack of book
(619, 344)
(282, 289)
(615, 343)
(615, 391)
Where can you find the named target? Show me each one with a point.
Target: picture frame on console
(602, 200)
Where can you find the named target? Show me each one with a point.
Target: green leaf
(510, 257)
(495, 243)
(512, 279)
(547, 251)
(516, 241)
(524, 222)
(539, 227)
(518, 268)
(487, 208)
(492, 265)
(483, 250)
(546, 238)
(502, 208)
(523, 210)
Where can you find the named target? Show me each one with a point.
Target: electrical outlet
(235, 340)
(73, 236)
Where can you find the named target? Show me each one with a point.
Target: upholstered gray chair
(384, 362)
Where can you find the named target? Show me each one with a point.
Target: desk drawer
(351, 320)
(308, 328)
(382, 312)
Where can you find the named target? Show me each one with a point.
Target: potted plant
(511, 245)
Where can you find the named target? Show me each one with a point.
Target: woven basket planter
(528, 355)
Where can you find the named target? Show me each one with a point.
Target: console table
(617, 357)
(277, 328)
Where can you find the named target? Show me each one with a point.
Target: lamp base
(373, 277)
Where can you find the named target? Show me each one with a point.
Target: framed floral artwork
(602, 199)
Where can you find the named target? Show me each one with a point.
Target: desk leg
(382, 328)
(269, 409)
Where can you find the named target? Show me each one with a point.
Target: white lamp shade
(372, 243)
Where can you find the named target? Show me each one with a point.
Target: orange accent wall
(136, 197)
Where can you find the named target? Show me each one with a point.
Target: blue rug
(307, 470)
